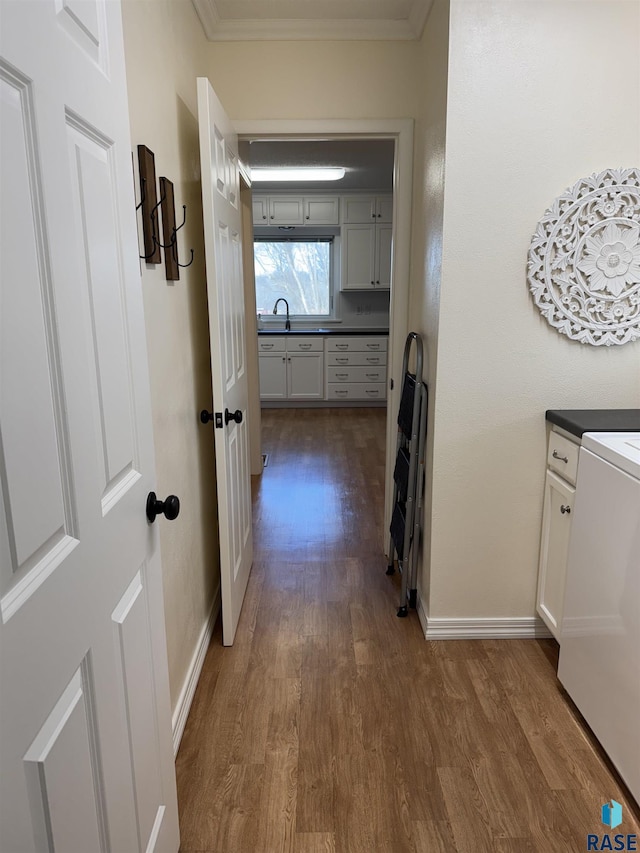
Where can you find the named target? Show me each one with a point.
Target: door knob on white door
(170, 507)
(232, 416)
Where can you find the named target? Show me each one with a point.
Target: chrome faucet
(287, 325)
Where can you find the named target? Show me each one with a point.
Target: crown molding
(272, 29)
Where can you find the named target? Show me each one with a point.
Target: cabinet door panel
(321, 211)
(554, 548)
(260, 210)
(358, 209)
(273, 377)
(305, 376)
(285, 211)
(358, 257)
(383, 256)
(384, 208)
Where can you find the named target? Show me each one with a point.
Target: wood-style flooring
(332, 725)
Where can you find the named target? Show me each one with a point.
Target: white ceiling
(369, 162)
(264, 20)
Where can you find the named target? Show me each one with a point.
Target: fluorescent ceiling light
(264, 175)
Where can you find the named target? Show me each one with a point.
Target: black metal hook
(143, 197)
(143, 192)
(174, 239)
(154, 219)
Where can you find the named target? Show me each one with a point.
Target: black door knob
(170, 507)
(206, 416)
(232, 416)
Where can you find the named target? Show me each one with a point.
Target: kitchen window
(298, 269)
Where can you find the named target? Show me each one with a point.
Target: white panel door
(85, 731)
(225, 288)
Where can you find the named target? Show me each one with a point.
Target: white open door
(86, 760)
(223, 244)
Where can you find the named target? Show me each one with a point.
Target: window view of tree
(298, 270)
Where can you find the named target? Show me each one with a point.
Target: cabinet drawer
(363, 344)
(356, 374)
(362, 359)
(356, 391)
(271, 344)
(305, 344)
(562, 456)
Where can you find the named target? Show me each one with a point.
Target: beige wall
(305, 80)
(165, 52)
(540, 94)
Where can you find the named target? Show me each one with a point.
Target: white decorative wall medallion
(584, 260)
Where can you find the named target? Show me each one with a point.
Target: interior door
(85, 731)
(225, 288)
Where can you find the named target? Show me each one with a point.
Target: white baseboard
(183, 705)
(509, 628)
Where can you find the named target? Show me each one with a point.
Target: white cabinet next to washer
(559, 494)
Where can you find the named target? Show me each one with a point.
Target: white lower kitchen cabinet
(273, 376)
(322, 369)
(356, 368)
(554, 549)
(305, 376)
(291, 368)
(559, 493)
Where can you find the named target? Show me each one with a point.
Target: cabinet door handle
(556, 455)
(565, 508)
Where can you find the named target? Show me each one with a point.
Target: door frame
(401, 131)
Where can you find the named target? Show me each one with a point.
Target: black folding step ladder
(408, 475)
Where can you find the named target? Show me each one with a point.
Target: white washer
(600, 640)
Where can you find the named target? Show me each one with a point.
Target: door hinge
(218, 420)
(391, 384)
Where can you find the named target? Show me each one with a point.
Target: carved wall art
(584, 260)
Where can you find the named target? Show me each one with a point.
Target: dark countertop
(324, 332)
(579, 421)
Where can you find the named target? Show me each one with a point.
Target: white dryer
(600, 639)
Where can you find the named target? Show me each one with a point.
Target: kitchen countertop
(324, 332)
(579, 421)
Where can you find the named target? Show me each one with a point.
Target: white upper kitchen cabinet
(296, 210)
(366, 257)
(359, 209)
(321, 210)
(286, 210)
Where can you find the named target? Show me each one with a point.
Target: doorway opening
(397, 136)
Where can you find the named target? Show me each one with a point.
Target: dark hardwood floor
(332, 725)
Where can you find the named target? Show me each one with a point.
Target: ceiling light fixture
(300, 175)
